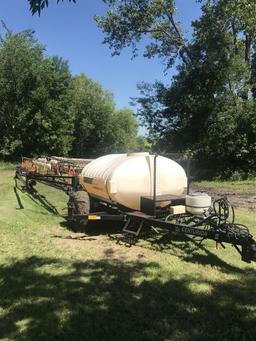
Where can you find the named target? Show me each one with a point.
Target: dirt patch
(238, 200)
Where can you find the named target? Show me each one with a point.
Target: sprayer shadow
(178, 245)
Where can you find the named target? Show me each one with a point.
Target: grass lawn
(244, 186)
(55, 286)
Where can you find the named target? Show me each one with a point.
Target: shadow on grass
(34, 196)
(188, 249)
(96, 228)
(21, 207)
(179, 245)
(49, 299)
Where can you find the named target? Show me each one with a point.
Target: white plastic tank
(124, 178)
(198, 203)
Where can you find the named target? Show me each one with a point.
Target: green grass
(245, 186)
(54, 286)
(7, 165)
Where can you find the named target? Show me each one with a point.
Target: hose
(223, 210)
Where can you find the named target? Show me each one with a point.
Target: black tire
(79, 203)
(31, 183)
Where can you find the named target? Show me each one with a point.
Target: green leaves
(98, 127)
(44, 110)
(36, 6)
(210, 106)
(128, 22)
(34, 98)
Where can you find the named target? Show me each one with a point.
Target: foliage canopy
(99, 127)
(209, 109)
(46, 110)
(33, 98)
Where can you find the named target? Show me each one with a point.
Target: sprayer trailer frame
(212, 225)
(135, 220)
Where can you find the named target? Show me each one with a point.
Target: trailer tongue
(212, 225)
(167, 211)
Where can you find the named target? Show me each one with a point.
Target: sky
(68, 30)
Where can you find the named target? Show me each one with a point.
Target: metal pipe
(154, 185)
(188, 174)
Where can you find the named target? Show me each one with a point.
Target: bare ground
(237, 199)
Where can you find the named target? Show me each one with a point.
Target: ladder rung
(136, 233)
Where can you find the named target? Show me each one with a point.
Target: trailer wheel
(31, 183)
(79, 203)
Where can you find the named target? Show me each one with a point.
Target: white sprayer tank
(124, 178)
(198, 203)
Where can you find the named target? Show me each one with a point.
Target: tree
(44, 110)
(127, 22)
(98, 127)
(209, 108)
(34, 98)
(123, 132)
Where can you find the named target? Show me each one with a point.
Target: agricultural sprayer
(141, 191)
